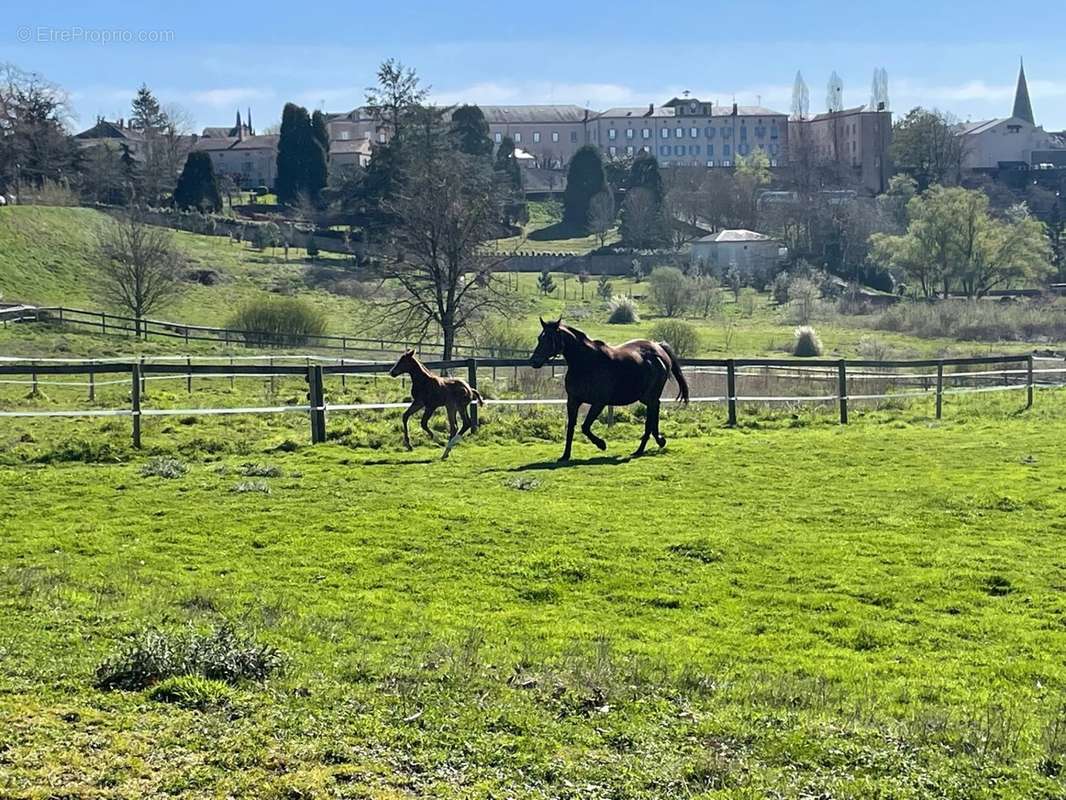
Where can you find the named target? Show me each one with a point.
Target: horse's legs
(454, 433)
(573, 405)
(595, 409)
(414, 407)
(647, 428)
(659, 438)
(425, 422)
(464, 412)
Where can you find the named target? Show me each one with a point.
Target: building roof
(667, 111)
(103, 129)
(844, 112)
(514, 115)
(214, 143)
(736, 235)
(972, 128)
(267, 141)
(357, 146)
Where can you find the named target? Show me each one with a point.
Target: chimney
(736, 108)
(651, 109)
(881, 106)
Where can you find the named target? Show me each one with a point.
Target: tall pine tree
(301, 157)
(584, 180)
(146, 111)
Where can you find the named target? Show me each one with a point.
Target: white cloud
(224, 97)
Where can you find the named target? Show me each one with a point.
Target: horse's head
(549, 343)
(404, 364)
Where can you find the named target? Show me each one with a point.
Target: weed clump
(192, 692)
(250, 470)
(251, 487)
(221, 654)
(164, 467)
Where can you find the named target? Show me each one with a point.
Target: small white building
(1010, 143)
(748, 251)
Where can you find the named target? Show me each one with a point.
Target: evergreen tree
(301, 157)
(471, 131)
(643, 219)
(644, 174)
(584, 180)
(318, 162)
(507, 165)
(545, 282)
(197, 187)
(146, 111)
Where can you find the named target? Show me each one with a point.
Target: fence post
(144, 380)
(273, 378)
(231, 379)
(92, 381)
(103, 322)
(188, 375)
(317, 402)
(731, 390)
(135, 394)
(1029, 382)
(939, 389)
(471, 378)
(344, 377)
(842, 390)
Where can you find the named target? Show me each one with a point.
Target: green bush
(807, 344)
(622, 311)
(683, 338)
(221, 654)
(502, 338)
(279, 322)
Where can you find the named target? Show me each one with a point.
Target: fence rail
(1017, 372)
(117, 324)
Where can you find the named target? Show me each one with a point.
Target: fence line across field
(314, 373)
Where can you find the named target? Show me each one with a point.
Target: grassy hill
(871, 611)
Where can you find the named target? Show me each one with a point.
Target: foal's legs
(464, 412)
(453, 433)
(659, 438)
(573, 405)
(425, 422)
(649, 404)
(595, 409)
(412, 409)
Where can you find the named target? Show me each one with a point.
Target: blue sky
(215, 56)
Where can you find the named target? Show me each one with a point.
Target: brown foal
(429, 392)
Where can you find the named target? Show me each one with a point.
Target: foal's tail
(679, 376)
(476, 396)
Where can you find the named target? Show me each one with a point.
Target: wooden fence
(1016, 371)
(102, 322)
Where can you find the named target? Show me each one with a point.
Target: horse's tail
(476, 395)
(679, 376)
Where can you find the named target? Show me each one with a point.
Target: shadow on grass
(557, 232)
(396, 462)
(540, 466)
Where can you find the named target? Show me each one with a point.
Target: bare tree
(602, 215)
(139, 266)
(34, 145)
(448, 210)
(165, 150)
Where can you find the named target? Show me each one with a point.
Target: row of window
(708, 163)
(694, 150)
(694, 133)
(517, 137)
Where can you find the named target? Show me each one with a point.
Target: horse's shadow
(397, 462)
(548, 466)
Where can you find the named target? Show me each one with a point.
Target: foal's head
(549, 343)
(405, 363)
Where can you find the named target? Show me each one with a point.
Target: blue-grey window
(760, 132)
(679, 133)
(727, 133)
(709, 133)
(773, 132)
(573, 136)
(694, 150)
(679, 150)
(710, 151)
(727, 151)
(664, 133)
(743, 132)
(742, 149)
(664, 150)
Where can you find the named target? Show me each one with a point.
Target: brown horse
(601, 376)
(429, 392)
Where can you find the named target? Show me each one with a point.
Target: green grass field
(790, 609)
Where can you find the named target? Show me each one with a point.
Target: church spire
(1023, 108)
(248, 122)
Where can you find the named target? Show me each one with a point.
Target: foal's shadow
(397, 462)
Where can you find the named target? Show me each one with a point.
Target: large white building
(1010, 143)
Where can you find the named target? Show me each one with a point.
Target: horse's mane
(579, 334)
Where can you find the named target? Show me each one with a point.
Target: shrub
(779, 288)
(221, 654)
(807, 344)
(622, 311)
(192, 691)
(279, 322)
(985, 320)
(246, 487)
(803, 293)
(682, 337)
(747, 301)
(502, 338)
(669, 290)
(705, 295)
(164, 467)
(603, 288)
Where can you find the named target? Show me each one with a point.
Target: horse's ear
(543, 324)
(410, 352)
(559, 321)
